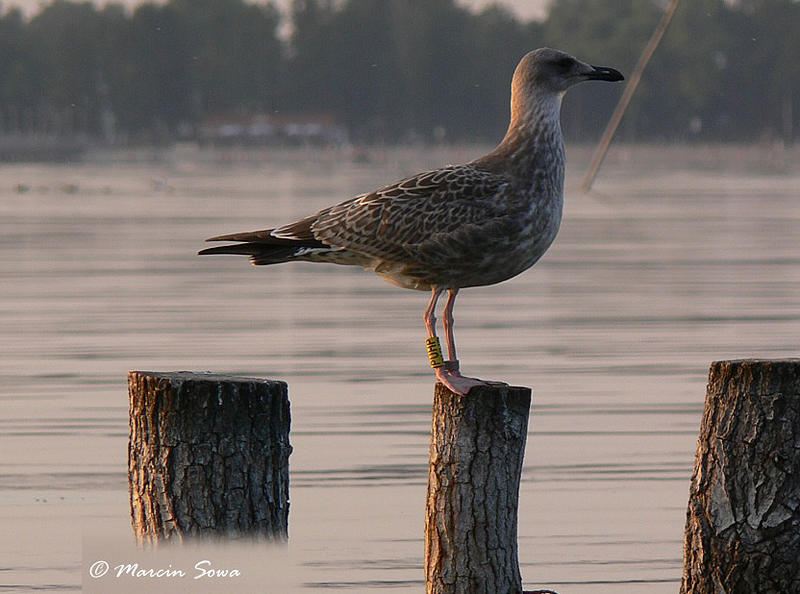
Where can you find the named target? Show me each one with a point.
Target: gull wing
(397, 222)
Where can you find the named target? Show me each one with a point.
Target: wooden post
(208, 456)
(477, 446)
(743, 519)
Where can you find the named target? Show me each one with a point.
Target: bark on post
(208, 456)
(743, 519)
(477, 446)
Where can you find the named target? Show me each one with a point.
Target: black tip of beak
(603, 73)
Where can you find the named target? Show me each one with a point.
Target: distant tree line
(393, 70)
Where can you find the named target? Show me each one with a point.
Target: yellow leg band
(435, 352)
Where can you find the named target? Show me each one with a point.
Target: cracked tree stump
(208, 457)
(476, 452)
(743, 519)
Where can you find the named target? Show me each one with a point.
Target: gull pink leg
(447, 322)
(452, 366)
(455, 382)
(430, 313)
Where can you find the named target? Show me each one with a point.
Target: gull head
(548, 71)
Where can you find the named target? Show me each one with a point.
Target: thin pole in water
(602, 147)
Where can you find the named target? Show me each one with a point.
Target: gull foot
(461, 384)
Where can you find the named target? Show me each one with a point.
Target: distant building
(278, 129)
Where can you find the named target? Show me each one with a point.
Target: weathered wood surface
(208, 456)
(476, 452)
(743, 519)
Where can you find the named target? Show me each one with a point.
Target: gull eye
(564, 64)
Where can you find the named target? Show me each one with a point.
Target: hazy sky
(526, 9)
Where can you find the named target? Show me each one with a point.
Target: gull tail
(264, 248)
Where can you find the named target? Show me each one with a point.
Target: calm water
(677, 260)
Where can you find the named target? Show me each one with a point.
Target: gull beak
(603, 73)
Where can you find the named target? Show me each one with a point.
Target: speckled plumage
(458, 226)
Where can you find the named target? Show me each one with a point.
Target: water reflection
(660, 272)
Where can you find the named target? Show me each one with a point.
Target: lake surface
(679, 258)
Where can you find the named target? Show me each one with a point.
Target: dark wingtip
(236, 249)
(264, 235)
(223, 249)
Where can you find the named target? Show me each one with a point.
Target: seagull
(459, 226)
